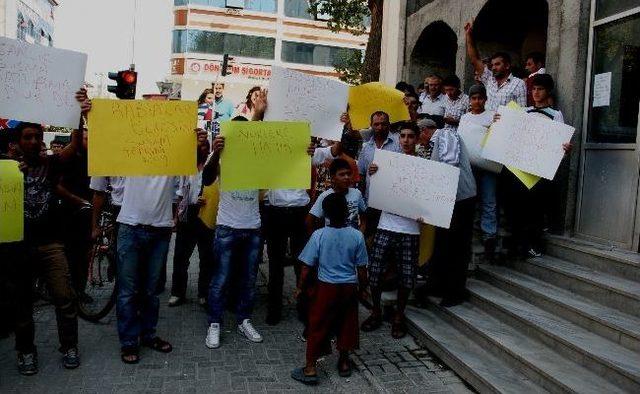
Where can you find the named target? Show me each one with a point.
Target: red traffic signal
(126, 84)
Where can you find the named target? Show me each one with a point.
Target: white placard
(295, 96)
(414, 187)
(527, 142)
(38, 83)
(473, 135)
(602, 90)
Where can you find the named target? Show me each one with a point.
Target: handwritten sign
(298, 96)
(375, 96)
(38, 83)
(265, 155)
(473, 135)
(527, 142)
(142, 138)
(414, 187)
(11, 202)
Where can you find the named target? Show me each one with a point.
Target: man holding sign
(42, 245)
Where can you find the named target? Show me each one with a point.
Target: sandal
(158, 345)
(298, 374)
(130, 355)
(372, 323)
(398, 329)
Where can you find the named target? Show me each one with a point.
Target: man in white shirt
(432, 98)
(456, 103)
(502, 87)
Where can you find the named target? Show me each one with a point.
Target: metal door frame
(593, 24)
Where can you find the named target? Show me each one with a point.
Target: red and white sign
(251, 71)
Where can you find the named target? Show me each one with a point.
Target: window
(43, 37)
(31, 29)
(616, 56)
(318, 55)
(22, 28)
(50, 40)
(297, 9)
(270, 6)
(217, 43)
(606, 8)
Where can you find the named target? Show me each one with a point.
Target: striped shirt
(513, 89)
(455, 109)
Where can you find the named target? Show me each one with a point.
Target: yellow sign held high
(265, 155)
(209, 211)
(142, 138)
(11, 202)
(375, 96)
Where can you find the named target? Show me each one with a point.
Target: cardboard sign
(142, 138)
(265, 155)
(375, 96)
(473, 135)
(414, 187)
(296, 96)
(11, 202)
(38, 83)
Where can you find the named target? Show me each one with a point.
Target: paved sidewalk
(384, 364)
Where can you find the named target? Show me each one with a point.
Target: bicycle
(100, 290)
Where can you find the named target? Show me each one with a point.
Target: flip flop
(130, 351)
(298, 374)
(158, 345)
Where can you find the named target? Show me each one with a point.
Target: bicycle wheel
(101, 287)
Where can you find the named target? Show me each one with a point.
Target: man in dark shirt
(44, 253)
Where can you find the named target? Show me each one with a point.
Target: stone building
(569, 320)
(28, 20)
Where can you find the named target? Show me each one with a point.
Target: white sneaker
(247, 329)
(175, 301)
(213, 336)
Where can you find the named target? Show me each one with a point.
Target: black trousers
(78, 244)
(447, 269)
(282, 226)
(189, 234)
(524, 211)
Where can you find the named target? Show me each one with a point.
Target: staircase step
(613, 261)
(540, 363)
(607, 359)
(607, 322)
(483, 371)
(607, 289)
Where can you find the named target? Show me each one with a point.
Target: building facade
(592, 50)
(257, 34)
(28, 20)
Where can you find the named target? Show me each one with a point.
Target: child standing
(340, 255)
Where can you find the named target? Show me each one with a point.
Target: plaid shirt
(513, 89)
(455, 109)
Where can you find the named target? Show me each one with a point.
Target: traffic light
(126, 83)
(224, 71)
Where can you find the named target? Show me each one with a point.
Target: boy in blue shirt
(340, 255)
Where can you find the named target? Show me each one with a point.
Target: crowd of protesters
(342, 250)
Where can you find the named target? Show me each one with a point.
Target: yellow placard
(11, 202)
(265, 155)
(141, 138)
(209, 211)
(375, 96)
(427, 240)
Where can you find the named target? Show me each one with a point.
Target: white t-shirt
(101, 184)
(355, 202)
(239, 209)
(484, 119)
(193, 184)
(148, 201)
(547, 113)
(398, 224)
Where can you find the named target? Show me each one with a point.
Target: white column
(391, 56)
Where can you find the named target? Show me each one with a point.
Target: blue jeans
(142, 252)
(488, 209)
(234, 246)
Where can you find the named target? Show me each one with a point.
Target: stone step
(616, 262)
(606, 358)
(485, 372)
(607, 322)
(538, 362)
(603, 288)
